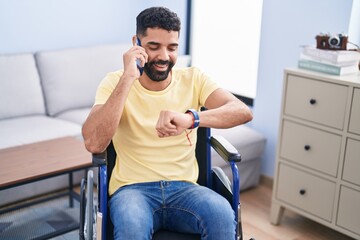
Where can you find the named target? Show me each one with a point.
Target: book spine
(319, 67)
(324, 55)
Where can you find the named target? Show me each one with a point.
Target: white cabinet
(306, 191)
(318, 153)
(349, 211)
(354, 125)
(351, 171)
(316, 101)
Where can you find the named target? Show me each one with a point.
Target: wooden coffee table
(37, 161)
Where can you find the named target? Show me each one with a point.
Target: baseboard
(266, 181)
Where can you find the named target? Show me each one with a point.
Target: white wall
(354, 29)
(285, 26)
(33, 25)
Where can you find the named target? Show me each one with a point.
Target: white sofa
(49, 94)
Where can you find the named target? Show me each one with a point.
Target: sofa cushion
(70, 77)
(251, 145)
(18, 131)
(20, 88)
(77, 115)
(246, 140)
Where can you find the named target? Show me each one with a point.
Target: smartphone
(138, 62)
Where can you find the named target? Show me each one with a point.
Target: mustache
(160, 62)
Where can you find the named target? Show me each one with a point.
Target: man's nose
(164, 55)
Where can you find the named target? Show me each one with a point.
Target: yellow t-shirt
(141, 155)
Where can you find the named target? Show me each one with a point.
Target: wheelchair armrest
(99, 159)
(225, 149)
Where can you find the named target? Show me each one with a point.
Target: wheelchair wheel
(89, 209)
(82, 208)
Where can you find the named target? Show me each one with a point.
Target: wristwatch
(196, 118)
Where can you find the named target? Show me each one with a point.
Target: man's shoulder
(112, 77)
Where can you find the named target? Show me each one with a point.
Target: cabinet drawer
(310, 193)
(349, 210)
(352, 161)
(316, 101)
(310, 147)
(354, 125)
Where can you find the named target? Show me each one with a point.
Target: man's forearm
(229, 115)
(103, 120)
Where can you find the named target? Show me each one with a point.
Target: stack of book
(335, 62)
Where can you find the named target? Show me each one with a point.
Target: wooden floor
(255, 215)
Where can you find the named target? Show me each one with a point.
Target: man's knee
(218, 217)
(218, 208)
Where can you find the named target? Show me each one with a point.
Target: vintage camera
(331, 42)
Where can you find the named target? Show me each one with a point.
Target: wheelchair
(95, 222)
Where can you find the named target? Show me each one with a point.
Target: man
(150, 117)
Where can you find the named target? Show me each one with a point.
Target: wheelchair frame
(212, 179)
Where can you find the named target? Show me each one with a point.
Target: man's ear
(134, 40)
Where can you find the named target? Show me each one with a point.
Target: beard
(155, 75)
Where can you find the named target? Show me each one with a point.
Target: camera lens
(334, 41)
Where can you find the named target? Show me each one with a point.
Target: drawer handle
(312, 101)
(302, 192)
(307, 147)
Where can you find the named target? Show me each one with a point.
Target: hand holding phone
(138, 62)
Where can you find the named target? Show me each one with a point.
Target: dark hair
(157, 17)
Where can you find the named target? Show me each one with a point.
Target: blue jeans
(139, 210)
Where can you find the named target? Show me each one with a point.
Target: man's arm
(101, 124)
(224, 111)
